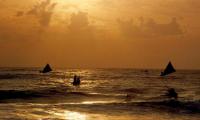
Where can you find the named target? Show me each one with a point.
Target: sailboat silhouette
(171, 92)
(168, 70)
(46, 69)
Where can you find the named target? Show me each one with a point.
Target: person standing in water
(76, 81)
(172, 94)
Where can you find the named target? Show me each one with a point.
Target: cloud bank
(150, 28)
(103, 35)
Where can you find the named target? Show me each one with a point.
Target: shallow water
(27, 94)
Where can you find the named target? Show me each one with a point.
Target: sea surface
(104, 94)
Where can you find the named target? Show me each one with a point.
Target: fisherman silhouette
(172, 94)
(76, 81)
(75, 77)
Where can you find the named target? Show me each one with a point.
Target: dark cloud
(43, 12)
(150, 28)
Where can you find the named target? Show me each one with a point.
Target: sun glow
(80, 5)
(69, 115)
(75, 2)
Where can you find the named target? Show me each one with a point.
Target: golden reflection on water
(69, 115)
(100, 102)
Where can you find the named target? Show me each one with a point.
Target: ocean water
(26, 94)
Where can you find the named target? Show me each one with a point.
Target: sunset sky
(100, 33)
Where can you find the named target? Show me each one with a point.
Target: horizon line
(56, 67)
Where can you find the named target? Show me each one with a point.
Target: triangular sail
(169, 69)
(47, 69)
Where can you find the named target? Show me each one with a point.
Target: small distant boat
(168, 70)
(46, 69)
